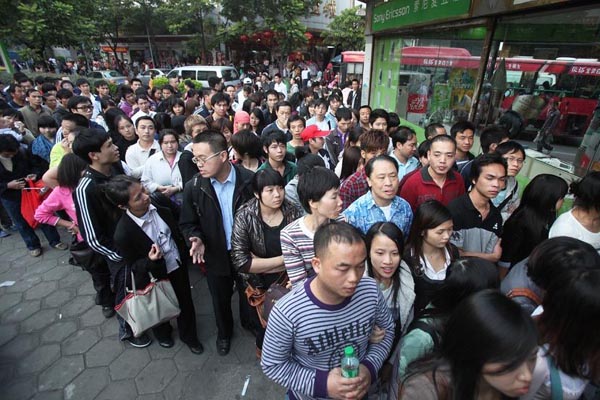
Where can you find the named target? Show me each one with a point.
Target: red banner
(417, 103)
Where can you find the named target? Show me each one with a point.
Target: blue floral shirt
(364, 212)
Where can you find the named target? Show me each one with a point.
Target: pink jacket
(61, 198)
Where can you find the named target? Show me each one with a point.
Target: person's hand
(377, 335)
(342, 388)
(20, 127)
(197, 250)
(497, 253)
(168, 190)
(154, 254)
(64, 143)
(16, 184)
(74, 229)
(32, 177)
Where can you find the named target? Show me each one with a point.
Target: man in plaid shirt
(372, 144)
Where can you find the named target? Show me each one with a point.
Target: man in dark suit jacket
(353, 99)
(210, 201)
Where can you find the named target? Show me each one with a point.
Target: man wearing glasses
(83, 106)
(210, 201)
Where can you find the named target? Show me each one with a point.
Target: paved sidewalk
(55, 343)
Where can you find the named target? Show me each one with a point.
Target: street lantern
(244, 38)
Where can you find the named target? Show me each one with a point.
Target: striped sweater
(305, 338)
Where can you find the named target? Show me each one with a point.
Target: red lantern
(308, 36)
(244, 38)
(268, 34)
(256, 36)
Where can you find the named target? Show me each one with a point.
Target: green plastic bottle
(349, 363)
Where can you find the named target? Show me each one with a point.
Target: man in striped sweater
(309, 328)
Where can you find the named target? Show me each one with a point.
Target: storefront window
(427, 78)
(544, 75)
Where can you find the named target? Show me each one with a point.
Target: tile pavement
(55, 343)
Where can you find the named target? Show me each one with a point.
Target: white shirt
(159, 232)
(431, 273)
(157, 172)
(281, 88)
(567, 225)
(140, 113)
(136, 157)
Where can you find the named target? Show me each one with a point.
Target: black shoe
(139, 342)
(166, 343)
(223, 346)
(197, 348)
(108, 311)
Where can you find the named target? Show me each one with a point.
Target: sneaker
(4, 234)
(61, 246)
(139, 342)
(35, 252)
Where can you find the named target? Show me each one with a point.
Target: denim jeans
(13, 208)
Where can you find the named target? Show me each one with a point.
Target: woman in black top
(530, 223)
(255, 244)
(429, 251)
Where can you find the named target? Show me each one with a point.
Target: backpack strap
(524, 292)
(509, 197)
(427, 328)
(555, 382)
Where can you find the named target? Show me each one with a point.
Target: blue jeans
(13, 208)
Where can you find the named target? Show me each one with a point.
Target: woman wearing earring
(149, 240)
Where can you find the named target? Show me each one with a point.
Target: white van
(203, 72)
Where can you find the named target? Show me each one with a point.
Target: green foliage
(280, 16)
(39, 24)
(347, 30)
(162, 81)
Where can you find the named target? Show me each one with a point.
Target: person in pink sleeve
(61, 198)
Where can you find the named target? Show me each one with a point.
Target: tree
(278, 16)
(112, 17)
(40, 24)
(346, 30)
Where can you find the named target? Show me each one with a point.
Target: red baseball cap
(311, 132)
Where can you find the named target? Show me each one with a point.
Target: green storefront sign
(399, 13)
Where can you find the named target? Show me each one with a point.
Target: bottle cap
(349, 351)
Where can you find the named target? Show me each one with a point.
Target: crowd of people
(448, 279)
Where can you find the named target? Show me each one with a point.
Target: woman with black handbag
(149, 240)
(255, 244)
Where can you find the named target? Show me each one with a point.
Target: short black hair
(294, 118)
(283, 104)
(338, 232)
(483, 160)
(382, 157)
(266, 177)
(214, 139)
(46, 121)
(145, 118)
(81, 81)
(246, 142)
(492, 134)
(431, 129)
(402, 135)
(9, 144)
(343, 113)
(213, 81)
(64, 94)
(273, 137)
(78, 119)
(510, 147)
(423, 148)
(167, 132)
(76, 101)
(307, 162)
(89, 141)
(48, 87)
(117, 188)
(219, 97)
(322, 102)
(379, 113)
(442, 138)
(69, 170)
(460, 127)
(314, 183)
(394, 120)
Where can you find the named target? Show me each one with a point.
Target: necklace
(273, 217)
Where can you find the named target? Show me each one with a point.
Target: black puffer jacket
(248, 236)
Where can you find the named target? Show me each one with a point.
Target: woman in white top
(429, 251)
(161, 170)
(583, 220)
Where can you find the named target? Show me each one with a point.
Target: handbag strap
(555, 382)
(132, 284)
